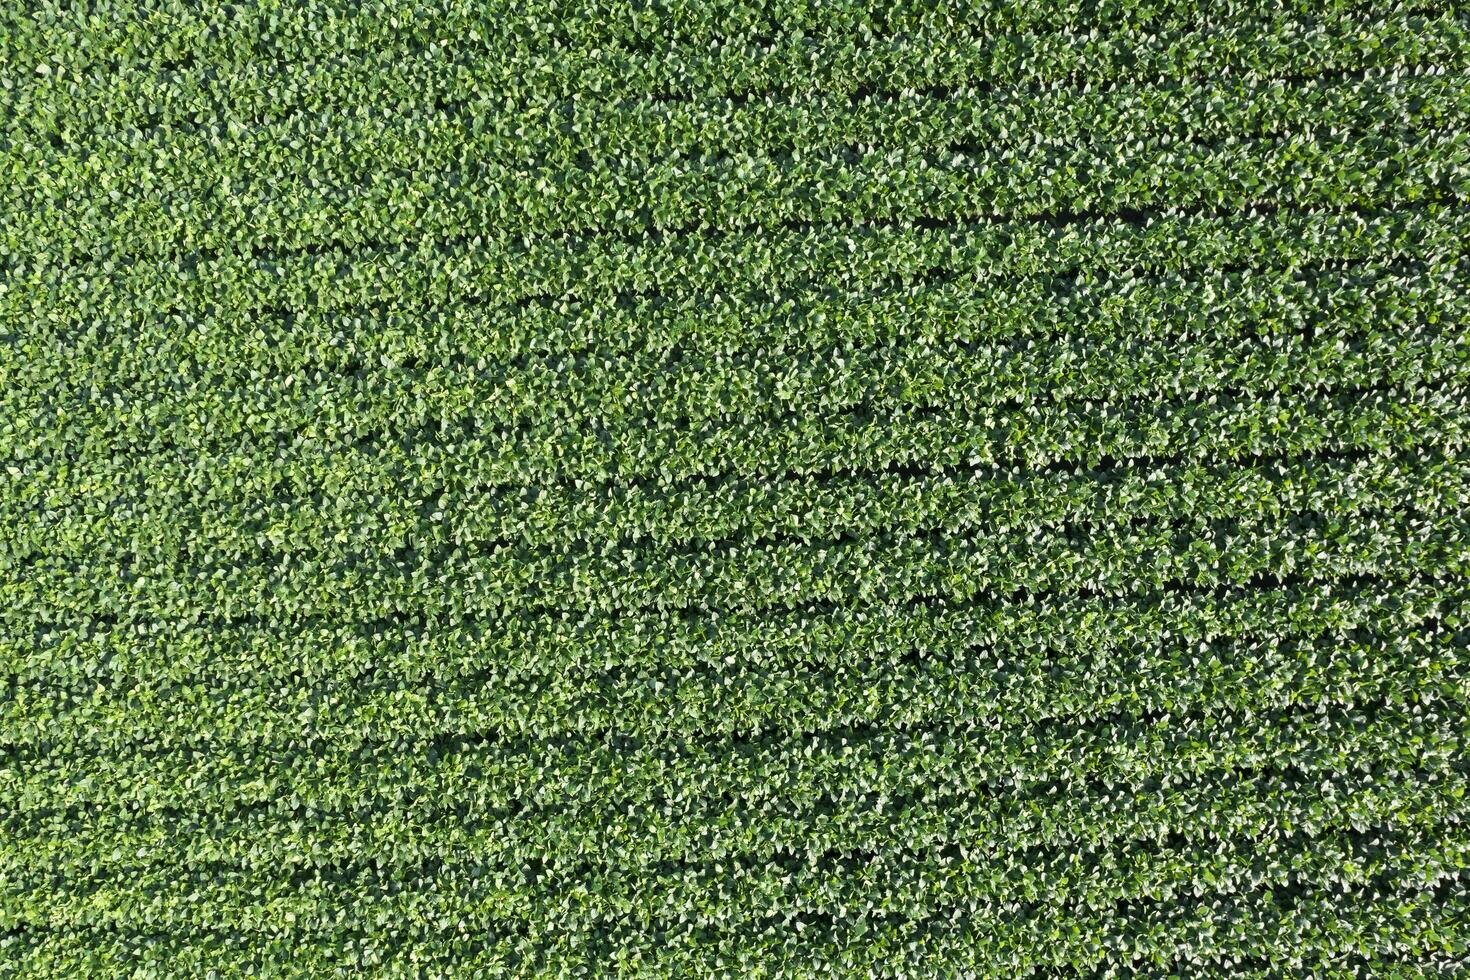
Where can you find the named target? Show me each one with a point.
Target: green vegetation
(729, 488)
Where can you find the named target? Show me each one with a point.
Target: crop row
(435, 459)
(1423, 477)
(790, 288)
(339, 149)
(1374, 332)
(1305, 170)
(969, 687)
(516, 777)
(522, 651)
(217, 101)
(150, 34)
(1398, 938)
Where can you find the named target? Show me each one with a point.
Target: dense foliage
(732, 488)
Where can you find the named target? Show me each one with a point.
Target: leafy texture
(734, 489)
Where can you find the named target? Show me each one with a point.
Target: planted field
(734, 489)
